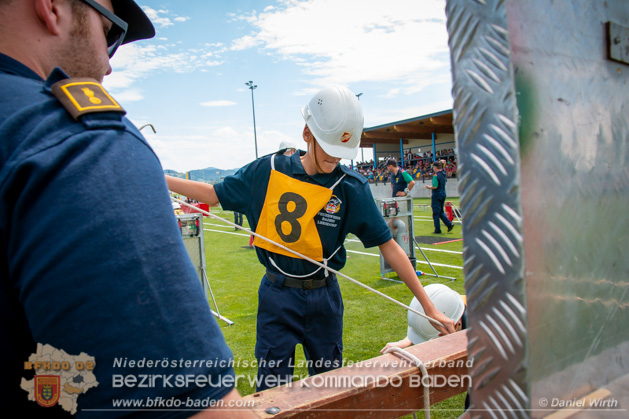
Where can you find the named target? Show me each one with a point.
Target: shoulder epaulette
(353, 173)
(82, 95)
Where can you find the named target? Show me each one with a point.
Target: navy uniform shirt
(351, 208)
(91, 259)
(441, 184)
(398, 182)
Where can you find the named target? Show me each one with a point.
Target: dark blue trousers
(288, 316)
(437, 203)
(238, 218)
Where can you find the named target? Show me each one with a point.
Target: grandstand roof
(421, 128)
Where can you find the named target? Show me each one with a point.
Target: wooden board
(387, 386)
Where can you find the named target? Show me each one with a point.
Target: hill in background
(209, 174)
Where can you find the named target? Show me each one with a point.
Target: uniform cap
(140, 26)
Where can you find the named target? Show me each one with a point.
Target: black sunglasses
(118, 29)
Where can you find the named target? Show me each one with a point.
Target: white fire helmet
(446, 300)
(335, 118)
(287, 144)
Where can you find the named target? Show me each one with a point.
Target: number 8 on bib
(288, 216)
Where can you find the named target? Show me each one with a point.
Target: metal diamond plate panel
(485, 122)
(541, 118)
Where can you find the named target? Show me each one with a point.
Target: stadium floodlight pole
(253, 108)
(361, 149)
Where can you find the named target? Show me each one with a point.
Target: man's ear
(48, 13)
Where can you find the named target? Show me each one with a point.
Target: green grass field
(370, 321)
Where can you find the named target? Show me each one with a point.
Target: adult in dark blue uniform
(81, 268)
(438, 198)
(309, 203)
(401, 181)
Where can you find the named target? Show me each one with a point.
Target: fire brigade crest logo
(47, 388)
(346, 137)
(333, 206)
(59, 378)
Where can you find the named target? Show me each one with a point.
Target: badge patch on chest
(82, 96)
(334, 205)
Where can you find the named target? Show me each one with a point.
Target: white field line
(226, 232)
(418, 261)
(423, 248)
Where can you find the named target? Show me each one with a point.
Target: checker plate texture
(540, 116)
(485, 123)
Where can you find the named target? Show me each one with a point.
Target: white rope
(325, 263)
(393, 300)
(418, 363)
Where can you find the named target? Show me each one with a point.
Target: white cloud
(129, 95)
(399, 114)
(392, 93)
(217, 103)
(136, 60)
(245, 42)
(397, 40)
(158, 18)
(224, 147)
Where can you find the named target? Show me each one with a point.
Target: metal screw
(273, 410)
(617, 40)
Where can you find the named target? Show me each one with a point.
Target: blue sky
(189, 81)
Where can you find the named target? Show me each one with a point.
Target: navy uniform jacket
(91, 257)
(351, 209)
(398, 182)
(441, 188)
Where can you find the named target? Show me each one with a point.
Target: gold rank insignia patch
(82, 96)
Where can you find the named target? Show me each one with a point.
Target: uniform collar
(55, 76)
(321, 179)
(9, 65)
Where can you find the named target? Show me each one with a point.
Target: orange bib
(288, 216)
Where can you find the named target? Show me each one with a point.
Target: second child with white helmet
(420, 330)
(309, 203)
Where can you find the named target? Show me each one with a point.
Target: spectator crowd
(418, 165)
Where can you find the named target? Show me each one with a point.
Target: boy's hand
(445, 320)
(404, 343)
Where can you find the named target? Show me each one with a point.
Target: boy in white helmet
(309, 203)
